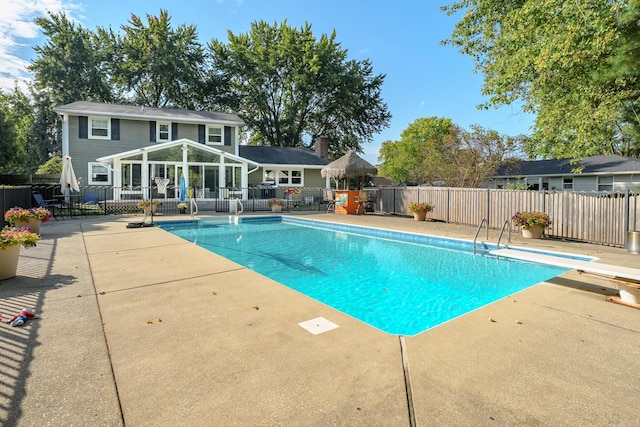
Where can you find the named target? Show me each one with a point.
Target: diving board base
(608, 270)
(618, 300)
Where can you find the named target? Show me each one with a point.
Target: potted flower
(276, 204)
(532, 223)
(32, 218)
(147, 206)
(182, 206)
(420, 210)
(11, 240)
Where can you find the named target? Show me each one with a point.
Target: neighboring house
(122, 147)
(598, 173)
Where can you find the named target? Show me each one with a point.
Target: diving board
(614, 271)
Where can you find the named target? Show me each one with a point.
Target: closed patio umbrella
(348, 166)
(68, 179)
(183, 190)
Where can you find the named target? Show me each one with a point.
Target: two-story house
(129, 148)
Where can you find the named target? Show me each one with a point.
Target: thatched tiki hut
(348, 166)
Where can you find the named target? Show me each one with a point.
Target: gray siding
(312, 178)
(133, 134)
(626, 182)
(556, 183)
(585, 183)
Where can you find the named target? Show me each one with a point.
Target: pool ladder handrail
(192, 204)
(475, 238)
(507, 222)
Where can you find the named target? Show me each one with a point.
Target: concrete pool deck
(141, 328)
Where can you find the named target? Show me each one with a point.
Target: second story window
(214, 135)
(163, 131)
(99, 128)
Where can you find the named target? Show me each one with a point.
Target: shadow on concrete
(17, 344)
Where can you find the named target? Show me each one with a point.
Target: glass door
(211, 181)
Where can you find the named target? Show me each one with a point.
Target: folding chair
(52, 205)
(329, 199)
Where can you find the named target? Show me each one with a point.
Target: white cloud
(18, 32)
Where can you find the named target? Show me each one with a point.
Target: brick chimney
(321, 146)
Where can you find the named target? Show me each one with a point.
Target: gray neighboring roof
(281, 155)
(147, 113)
(612, 164)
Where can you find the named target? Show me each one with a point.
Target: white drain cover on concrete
(318, 325)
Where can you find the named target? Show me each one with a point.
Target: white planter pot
(32, 223)
(9, 257)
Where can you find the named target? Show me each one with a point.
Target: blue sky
(402, 39)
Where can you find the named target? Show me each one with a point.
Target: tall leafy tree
(421, 143)
(16, 121)
(160, 65)
(70, 65)
(436, 151)
(45, 134)
(290, 87)
(554, 56)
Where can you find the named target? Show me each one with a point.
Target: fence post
(394, 200)
(488, 211)
(626, 217)
(448, 205)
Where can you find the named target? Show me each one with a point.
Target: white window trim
(158, 139)
(92, 182)
(278, 174)
(612, 184)
(567, 185)
(90, 126)
(221, 135)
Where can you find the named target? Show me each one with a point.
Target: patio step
(614, 271)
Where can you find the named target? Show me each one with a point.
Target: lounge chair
(89, 203)
(54, 206)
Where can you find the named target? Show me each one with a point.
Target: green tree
(70, 65)
(290, 87)
(45, 133)
(555, 57)
(162, 66)
(15, 124)
(419, 155)
(51, 167)
(435, 150)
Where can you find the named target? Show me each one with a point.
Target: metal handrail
(484, 221)
(191, 206)
(502, 231)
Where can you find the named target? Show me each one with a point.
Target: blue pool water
(401, 283)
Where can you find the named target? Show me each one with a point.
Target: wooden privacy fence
(596, 217)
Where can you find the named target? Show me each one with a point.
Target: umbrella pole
(151, 205)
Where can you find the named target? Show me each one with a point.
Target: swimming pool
(401, 283)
